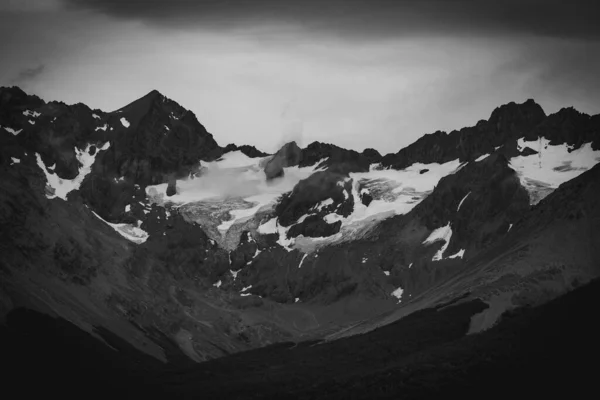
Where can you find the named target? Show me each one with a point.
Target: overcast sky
(357, 73)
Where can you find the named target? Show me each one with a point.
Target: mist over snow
(235, 175)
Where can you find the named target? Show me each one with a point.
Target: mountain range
(137, 228)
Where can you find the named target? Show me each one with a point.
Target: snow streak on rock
(129, 232)
(462, 201)
(302, 261)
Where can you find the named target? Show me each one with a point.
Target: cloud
(366, 18)
(267, 83)
(29, 5)
(29, 74)
(563, 72)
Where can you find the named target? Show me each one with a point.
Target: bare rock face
(250, 151)
(288, 156)
(339, 159)
(172, 187)
(309, 193)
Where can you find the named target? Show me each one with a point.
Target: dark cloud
(29, 74)
(368, 18)
(564, 71)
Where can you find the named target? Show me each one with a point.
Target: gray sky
(356, 73)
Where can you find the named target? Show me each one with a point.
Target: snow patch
(323, 204)
(246, 288)
(11, 130)
(238, 215)
(102, 128)
(62, 187)
(31, 122)
(398, 294)
(15, 160)
(332, 218)
(234, 273)
(96, 116)
(127, 208)
(482, 157)
(387, 273)
(444, 233)
(29, 113)
(217, 284)
(394, 192)
(540, 174)
(125, 123)
(272, 226)
(397, 191)
(459, 254)
(234, 177)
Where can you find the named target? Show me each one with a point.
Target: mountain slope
(549, 251)
(137, 222)
(541, 351)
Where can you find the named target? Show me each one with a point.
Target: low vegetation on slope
(544, 350)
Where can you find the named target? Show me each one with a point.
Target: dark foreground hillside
(545, 352)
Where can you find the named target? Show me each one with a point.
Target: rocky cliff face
(138, 222)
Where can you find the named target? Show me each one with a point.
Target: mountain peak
(16, 96)
(515, 118)
(512, 109)
(146, 103)
(154, 93)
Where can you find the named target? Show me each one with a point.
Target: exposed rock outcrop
(288, 156)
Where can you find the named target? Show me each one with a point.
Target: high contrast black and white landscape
(299, 200)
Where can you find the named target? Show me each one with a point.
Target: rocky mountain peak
(250, 151)
(14, 97)
(515, 119)
(288, 156)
